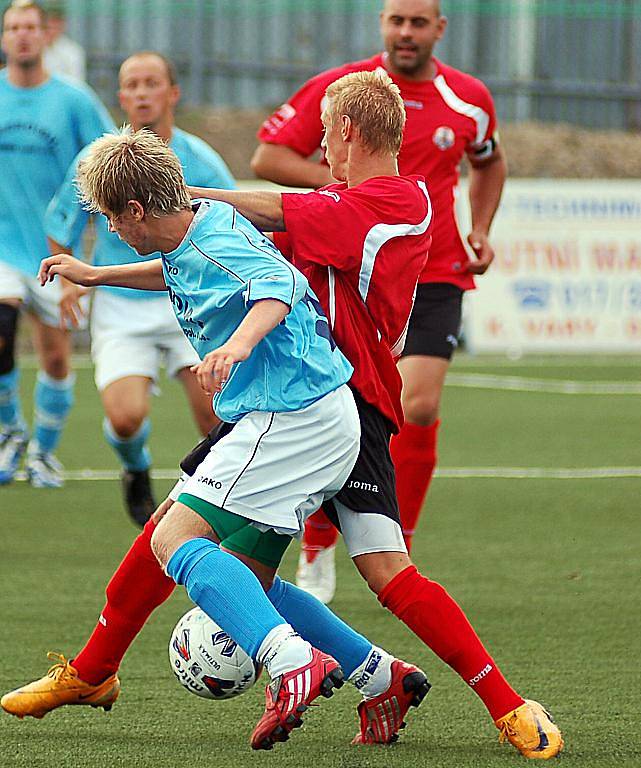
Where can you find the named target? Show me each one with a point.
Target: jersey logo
(413, 104)
(444, 137)
(279, 119)
(334, 195)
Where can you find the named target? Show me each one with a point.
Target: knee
(160, 545)
(56, 364)
(125, 423)
(8, 326)
(421, 408)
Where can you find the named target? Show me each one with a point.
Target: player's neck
(170, 230)
(362, 165)
(27, 77)
(162, 128)
(424, 73)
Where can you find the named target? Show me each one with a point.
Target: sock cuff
(10, 379)
(112, 437)
(276, 592)
(187, 556)
(424, 436)
(397, 590)
(42, 377)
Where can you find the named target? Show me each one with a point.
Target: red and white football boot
(290, 694)
(383, 716)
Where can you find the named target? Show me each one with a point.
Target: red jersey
(448, 116)
(362, 250)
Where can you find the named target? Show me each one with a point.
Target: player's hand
(212, 373)
(482, 250)
(62, 264)
(162, 509)
(71, 310)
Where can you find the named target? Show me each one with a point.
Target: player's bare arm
(71, 310)
(282, 164)
(146, 275)
(215, 367)
(487, 178)
(263, 209)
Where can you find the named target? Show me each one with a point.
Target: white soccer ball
(207, 661)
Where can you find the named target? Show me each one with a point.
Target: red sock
(320, 533)
(135, 590)
(427, 609)
(414, 455)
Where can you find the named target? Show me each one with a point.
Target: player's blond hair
(374, 105)
(132, 166)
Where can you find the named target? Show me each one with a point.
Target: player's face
(335, 148)
(131, 229)
(410, 30)
(146, 93)
(23, 37)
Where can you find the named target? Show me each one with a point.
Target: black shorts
(435, 322)
(371, 487)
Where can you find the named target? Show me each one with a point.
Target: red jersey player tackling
(354, 242)
(449, 115)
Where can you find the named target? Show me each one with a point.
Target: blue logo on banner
(532, 294)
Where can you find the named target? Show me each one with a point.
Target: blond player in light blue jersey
(44, 122)
(133, 331)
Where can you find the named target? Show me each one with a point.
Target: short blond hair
(124, 166)
(375, 106)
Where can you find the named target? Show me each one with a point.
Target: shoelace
(61, 666)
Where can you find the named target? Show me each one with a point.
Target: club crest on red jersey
(444, 137)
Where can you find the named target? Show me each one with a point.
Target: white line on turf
(549, 386)
(451, 473)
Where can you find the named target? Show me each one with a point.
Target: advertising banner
(567, 273)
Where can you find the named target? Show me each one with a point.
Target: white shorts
(276, 469)
(42, 301)
(131, 337)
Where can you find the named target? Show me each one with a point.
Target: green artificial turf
(546, 569)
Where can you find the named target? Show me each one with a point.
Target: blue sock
(132, 451)
(53, 399)
(10, 410)
(227, 591)
(319, 626)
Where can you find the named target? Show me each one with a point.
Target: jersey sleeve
(316, 223)
(484, 146)
(297, 123)
(287, 285)
(65, 218)
(209, 169)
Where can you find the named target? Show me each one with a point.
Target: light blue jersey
(224, 265)
(66, 219)
(42, 129)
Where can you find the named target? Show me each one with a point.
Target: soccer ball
(207, 661)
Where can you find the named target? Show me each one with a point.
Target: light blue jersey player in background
(269, 360)
(132, 331)
(44, 122)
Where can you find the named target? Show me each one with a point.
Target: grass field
(546, 568)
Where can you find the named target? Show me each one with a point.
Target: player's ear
(441, 26)
(175, 94)
(136, 211)
(347, 128)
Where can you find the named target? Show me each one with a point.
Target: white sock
(283, 651)
(374, 675)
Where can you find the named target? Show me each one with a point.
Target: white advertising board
(567, 273)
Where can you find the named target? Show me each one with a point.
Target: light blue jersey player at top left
(44, 122)
(133, 331)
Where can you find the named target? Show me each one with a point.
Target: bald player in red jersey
(450, 115)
